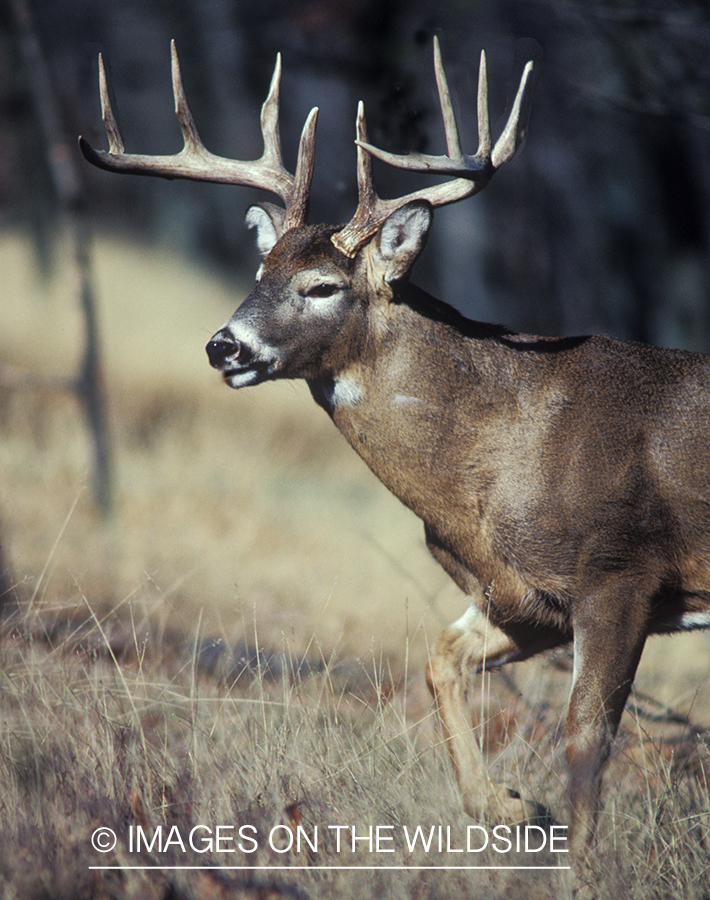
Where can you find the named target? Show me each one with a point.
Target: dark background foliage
(602, 223)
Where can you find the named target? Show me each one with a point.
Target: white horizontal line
(324, 868)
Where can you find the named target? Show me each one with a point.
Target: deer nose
(221, 348)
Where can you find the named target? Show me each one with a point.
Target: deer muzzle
(224, 352)
(238, 361)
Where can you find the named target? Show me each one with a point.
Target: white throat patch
(342, 393)
(346, 392)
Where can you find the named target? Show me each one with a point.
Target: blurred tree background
(602, 223)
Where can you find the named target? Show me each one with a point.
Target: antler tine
(193, 142)
(195, 162)
(270, 117)
(515, 131)
(365, 186)
(297, 210)
(484, 120)
(370, 207)
(115, 141)
(453, 142)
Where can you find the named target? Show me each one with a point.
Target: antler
(473, 172)
(195, 162)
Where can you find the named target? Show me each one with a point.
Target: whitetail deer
(564, 484)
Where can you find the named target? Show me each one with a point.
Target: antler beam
(195, 162)
(472, 172)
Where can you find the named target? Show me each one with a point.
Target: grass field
(242, 642)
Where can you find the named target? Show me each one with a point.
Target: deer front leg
(473, 644)
(608, 641)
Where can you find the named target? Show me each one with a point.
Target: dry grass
(116, 727)
(114, 723)
(132, 690)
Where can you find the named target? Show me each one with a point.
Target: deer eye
(322, 290)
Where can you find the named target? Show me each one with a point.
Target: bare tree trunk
(61, 155)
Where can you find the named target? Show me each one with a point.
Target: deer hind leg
(473, 644)
(606, 655)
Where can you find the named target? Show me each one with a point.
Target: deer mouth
(252, 372)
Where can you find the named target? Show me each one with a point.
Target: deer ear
(268, 220)
(402, 238)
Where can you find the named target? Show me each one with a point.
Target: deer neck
(399, 402)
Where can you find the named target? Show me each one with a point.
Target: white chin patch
(241, 379)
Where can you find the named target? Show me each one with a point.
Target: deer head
(305, 316)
